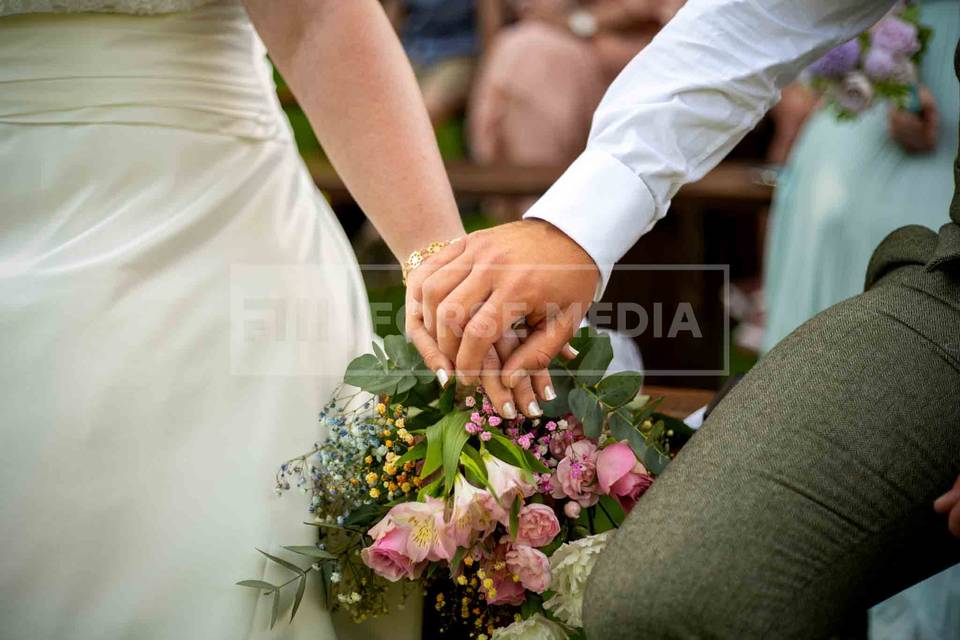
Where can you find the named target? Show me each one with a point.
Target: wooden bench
(732, 185)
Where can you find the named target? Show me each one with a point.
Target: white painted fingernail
(573, 353)
(533, 409)
(508, 411)
(548, 393)
(443, 377)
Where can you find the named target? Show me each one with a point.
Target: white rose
(536, 627)
(570, 566)
(855, 93)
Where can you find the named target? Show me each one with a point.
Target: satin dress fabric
(177, 303)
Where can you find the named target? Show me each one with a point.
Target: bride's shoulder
(137, 7)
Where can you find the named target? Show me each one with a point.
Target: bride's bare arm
(349, 73)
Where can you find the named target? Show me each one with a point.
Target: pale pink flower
(621, 475)
(538, 525)
(507, 482)
(531, 566)
(572, 509)
(576, 474)
(425, 534)
(470, 401)
(473, 513)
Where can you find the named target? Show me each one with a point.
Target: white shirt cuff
(602, 205)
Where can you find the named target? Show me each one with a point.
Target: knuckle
(482, 326)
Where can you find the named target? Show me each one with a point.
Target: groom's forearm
(350, 75)
(682, 104)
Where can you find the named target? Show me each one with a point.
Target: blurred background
(511, 85)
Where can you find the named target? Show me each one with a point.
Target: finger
(500, 397)
(455, 312)
(543, 344)
(543, 385)
(427, 346)
(953, 523)
(448, 254)
(485, 327)
(438, 285)
(526, 399)
(947, 501)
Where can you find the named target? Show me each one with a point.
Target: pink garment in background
(539, 85)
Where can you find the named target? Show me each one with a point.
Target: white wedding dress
(177, 302)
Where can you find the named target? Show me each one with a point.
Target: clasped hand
(496, 307)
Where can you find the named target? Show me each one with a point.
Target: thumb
(539, 349)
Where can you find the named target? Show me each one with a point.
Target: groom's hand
(949, 505)
(469, 295)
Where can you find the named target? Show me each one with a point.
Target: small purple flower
(475, 417)
(471, 428)
(485, 436)
(470, 401)
(896, 36)
(837, 61)
(551, 426)
(879, 64)
(494, 421)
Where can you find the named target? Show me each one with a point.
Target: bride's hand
(508, 402)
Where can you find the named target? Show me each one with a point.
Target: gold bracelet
(418, 257)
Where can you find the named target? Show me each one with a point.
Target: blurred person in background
(845, 187)
(543, 75)
(440, 38)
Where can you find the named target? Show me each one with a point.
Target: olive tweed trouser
(808, 492)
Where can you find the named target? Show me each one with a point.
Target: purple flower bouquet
(880, 64)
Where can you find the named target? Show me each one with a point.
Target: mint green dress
(846, 186)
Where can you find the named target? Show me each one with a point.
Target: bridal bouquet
(880, 64)
(498, 521)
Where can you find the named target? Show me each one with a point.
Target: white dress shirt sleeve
(682, 104)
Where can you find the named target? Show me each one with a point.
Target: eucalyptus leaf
(381, 356)
(655, 462)
(622, 430)
(284, 563)
(301, 587)
(275, 614)
(398, 351)
(362, 370)
(620, 388)
(257, 584)
(595, 362)
(312, 552)
(587, 410)
(406, 383)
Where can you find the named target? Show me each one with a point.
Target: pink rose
(505, 590)
(531, 566)
(538, 525)
(576, 474)
(620, 474)
(387, 556)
